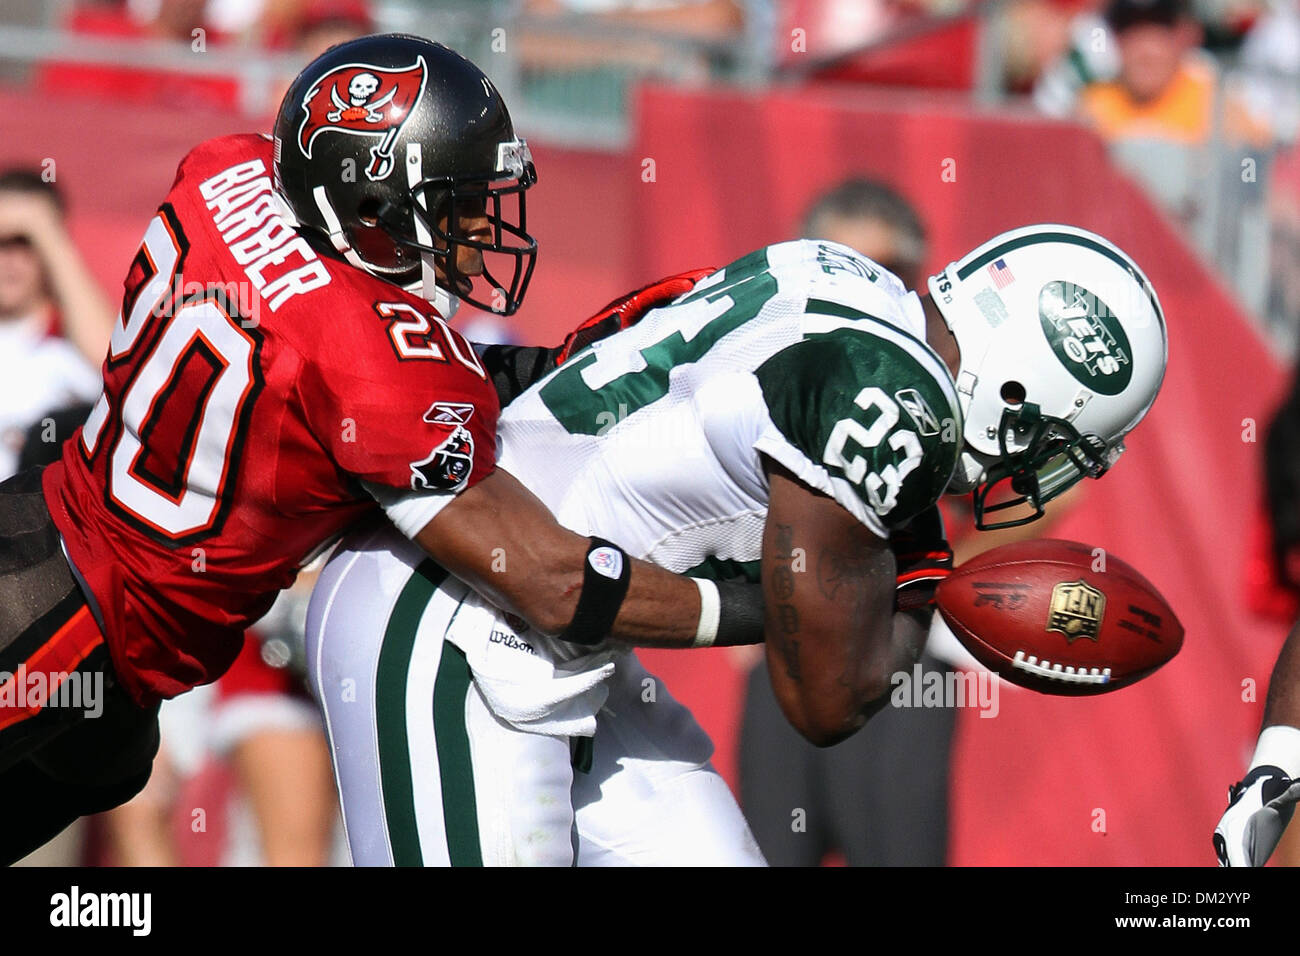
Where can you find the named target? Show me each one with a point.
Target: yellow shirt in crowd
(1183, 113)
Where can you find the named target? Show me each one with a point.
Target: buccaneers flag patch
(363, 100)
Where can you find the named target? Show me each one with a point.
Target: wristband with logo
(606, 571)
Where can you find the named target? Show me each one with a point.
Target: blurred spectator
(715, 19)
(1167, 107)
(649, 27)
(310, 28)
(1270, 58)
(879, 42)
(1090, 56)
(249, 752)
(267, 727)
(1283, 306)
(45, 287)
(874, 219)
(179, 21)
(1165, 88)
(879, 798)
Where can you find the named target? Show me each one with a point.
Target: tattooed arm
(833, 640)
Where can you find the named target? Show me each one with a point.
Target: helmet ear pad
(377, 247)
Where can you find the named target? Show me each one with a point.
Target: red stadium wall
(732, 171)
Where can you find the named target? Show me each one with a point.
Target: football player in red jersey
(281, 367)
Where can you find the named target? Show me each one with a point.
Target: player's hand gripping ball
(1039, 615)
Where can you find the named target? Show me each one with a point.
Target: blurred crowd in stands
(1199, 100)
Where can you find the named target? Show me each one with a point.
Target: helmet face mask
(1063, 350)
(378, 138)
(440, 200)
(1041, 458)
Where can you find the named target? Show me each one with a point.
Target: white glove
(1259, 808)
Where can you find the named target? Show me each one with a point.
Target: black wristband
(606, 571)
(740, 613)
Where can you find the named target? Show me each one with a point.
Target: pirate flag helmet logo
(359, 99)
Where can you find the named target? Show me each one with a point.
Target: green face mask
(1054, 458)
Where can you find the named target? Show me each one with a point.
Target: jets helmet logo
(363, 100)
(1086, 336)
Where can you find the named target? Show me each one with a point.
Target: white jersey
(652, 438)
(806, 352)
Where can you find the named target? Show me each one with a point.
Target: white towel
(522, 678)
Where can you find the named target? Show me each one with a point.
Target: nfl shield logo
(1076, 610)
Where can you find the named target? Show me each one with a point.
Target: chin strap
(442, 300)
(337, 237)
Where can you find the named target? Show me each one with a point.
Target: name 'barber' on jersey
(245, 210)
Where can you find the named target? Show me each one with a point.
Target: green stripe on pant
(460, 814)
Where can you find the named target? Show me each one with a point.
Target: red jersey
(251, 386)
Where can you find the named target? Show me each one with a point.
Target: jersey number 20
(204, 353)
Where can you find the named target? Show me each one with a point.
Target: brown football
(1059, 617)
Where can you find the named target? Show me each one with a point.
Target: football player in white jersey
(791, 420)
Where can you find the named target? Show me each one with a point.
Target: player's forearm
(833, 642)
(501, 540)
(661, 609)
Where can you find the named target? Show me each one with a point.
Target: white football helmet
(1063, 348)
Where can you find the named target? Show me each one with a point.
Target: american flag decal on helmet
(1001, 275)
(363, 100)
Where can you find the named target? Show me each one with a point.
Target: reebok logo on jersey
(448, 466)
(918, 411)
(607, 562)
(451, 413)
(363, 100)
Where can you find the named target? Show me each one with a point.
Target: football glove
(1259, 808)
(924, 559)
(627, 310)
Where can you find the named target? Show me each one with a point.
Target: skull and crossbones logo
(361, 88)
